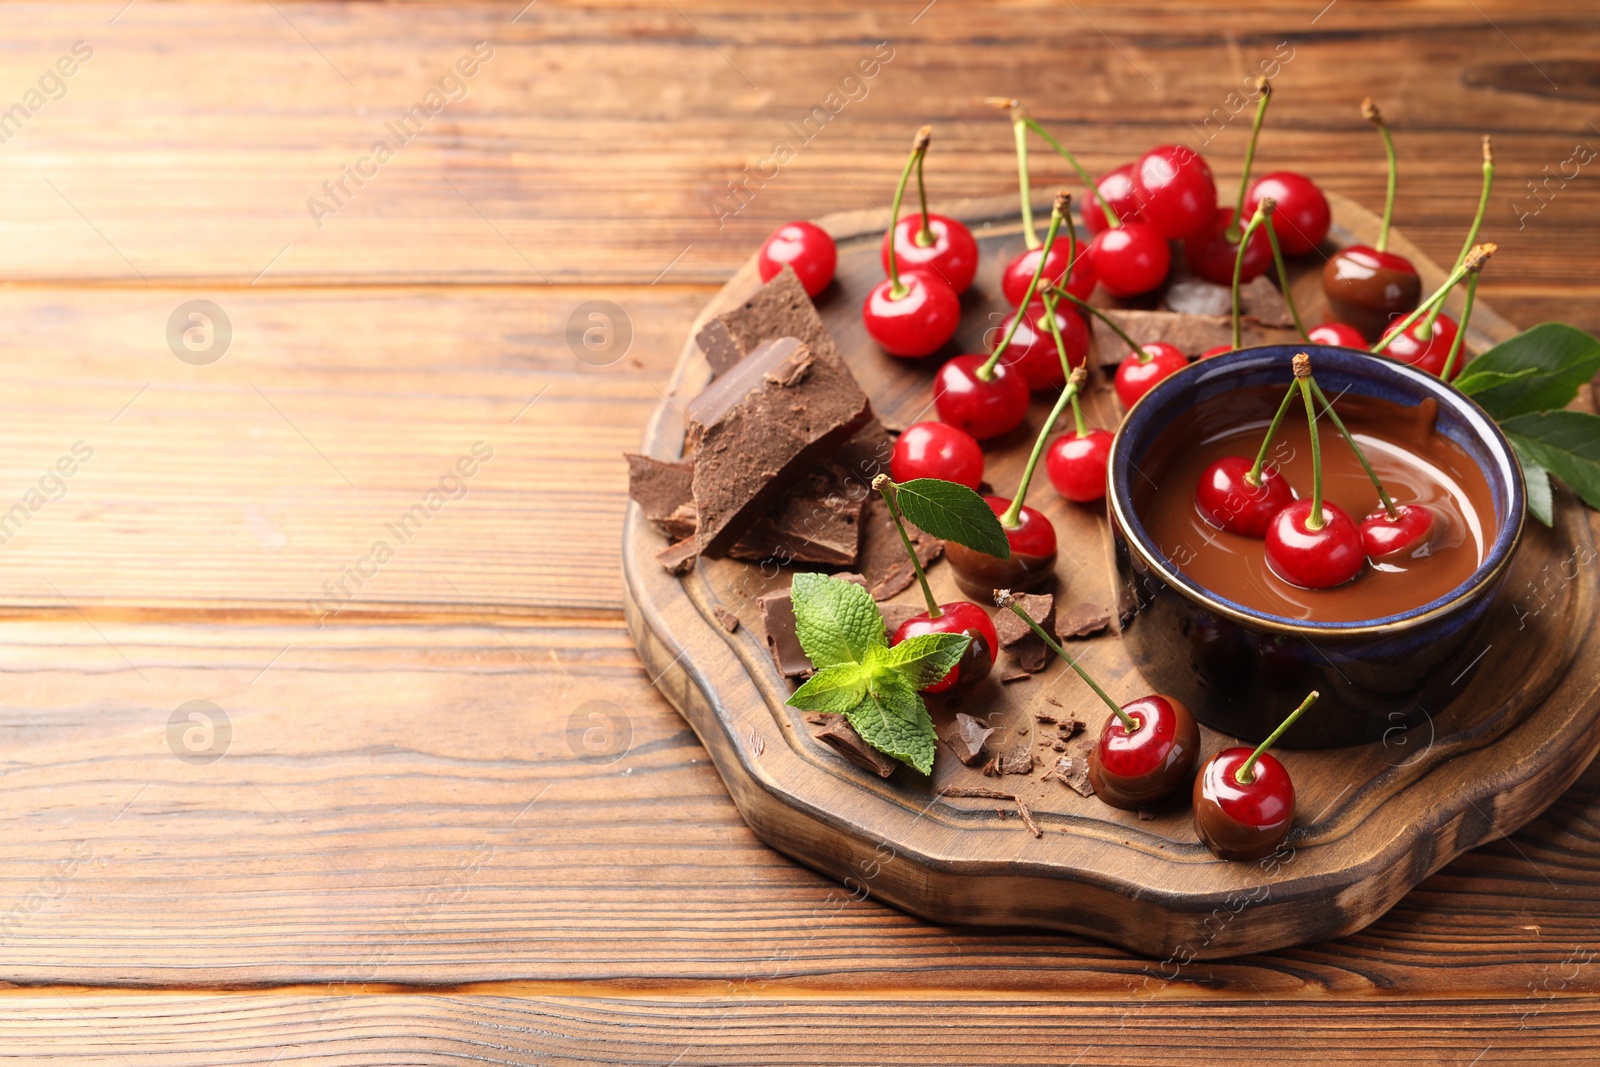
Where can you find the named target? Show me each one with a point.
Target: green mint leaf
(953, 512)
(921, 660)
(1565, 443)
(835, 620)
(1540, 500)
(834, 689)
(1561, 358)
(893, 720)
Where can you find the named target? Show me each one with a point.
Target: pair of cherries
(1147, 750)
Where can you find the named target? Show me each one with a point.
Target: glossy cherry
(1244, 798)
(1211, 254)
(937, 450)
(1425, 353)
(1337, 334)
(1138, 767)
(1174, 185)
(982, 408)
(1033, 554)
(1368, 289)
(952, 255)
(1115, 187)
(1408, 533)
(1019, 272)
(1229, 500)
(1216, 350)
(1303, 217)
(1076, 464)
(1131, 259)
(1314, 558)
(807, 248)
(1032, 351)
(918, 321)
(959, 617)
(1138, 374)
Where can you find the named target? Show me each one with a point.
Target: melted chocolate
(1416, 465)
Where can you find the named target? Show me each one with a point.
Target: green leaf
(953, 513)
(1565, 443)
(834, 689)
(893, 720)
(1561, 358)
(921, 660)
(835, 620)
(1540, 500)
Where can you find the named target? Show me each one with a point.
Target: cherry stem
(1349, 439)
(1461, 331)
(1004, 599)
(1314, 521)
(919, 145)
(1369, 111)
(924, 237)
(1019, 128)
(1283, 279)
(1474, 262)
(986, 372)
(1111, 216)
(884, 485)
(1232, 232)
(1472, 234)
(1055, 334)
(1254, 476)
(1013, 515)
(1262, 211)
(1078, 425)
(1247, 770)
(1139, 353)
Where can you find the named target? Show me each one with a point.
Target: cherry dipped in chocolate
(1244, 798)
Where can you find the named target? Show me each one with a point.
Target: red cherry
(1137, 375)
(1302, 217)
(953, 255)
(1228, 501)
(937, 450)
(1032, 351)
(1243, 820)
(983, 409)
(1337, 334)
(1175, 187)
(1033, 555)
(1077, 465)
(1314, 559)
(1404, 535)
(1211, 255)
(1429, 354)
(1115, 188)
(1019, 272)
(1033, 534)
(916, 324)
(804, 246)
(1216, 350)
(1131, 259)
(961, 617)
(1135, 770)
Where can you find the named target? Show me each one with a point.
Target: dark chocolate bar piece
(968, 738)
(1081, 620)
(1018, 638)
(840, 736)
(883, 555)
(817, 521)
(754, 431)
(777, 620)
(780, 309)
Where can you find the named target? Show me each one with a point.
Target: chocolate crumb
(1048, 720)
(1059, 746)
(1027, 819)
(1052, 700)
(1070, 728)
(1018, 761)
(727, 619)
(992, 768)
(995, 794)
(1015, 676)
(967, 739)
(1074, 774)
(1146, 815)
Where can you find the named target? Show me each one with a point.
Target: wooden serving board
(1372, 820)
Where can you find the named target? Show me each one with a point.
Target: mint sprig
(858, 676)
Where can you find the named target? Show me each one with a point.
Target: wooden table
(433, 810)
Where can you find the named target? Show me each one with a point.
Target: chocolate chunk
(1070, 728)
(967, 738)
(895, 615)
(861, 459)
(817, 521)
(1017, 761)
(1145, 814)
(679, 558)
(1015, 676)
(840, 736)
(1018, 638)
(883, 555)
(1081, 620)
(780, 309)
(663, 489)
(777, 620)
(1073, 772)
(1192, 334)
(725, 618)
(761, 426)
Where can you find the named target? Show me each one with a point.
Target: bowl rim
(1497, 557)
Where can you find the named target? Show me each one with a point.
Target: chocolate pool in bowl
(1210, 623)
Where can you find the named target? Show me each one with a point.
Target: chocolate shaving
(1015, 676)
(995, 794)
(1048, 720)
(725, 618)
(840, 736)
(1052, 700)
(968, 738)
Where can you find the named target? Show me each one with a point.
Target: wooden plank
(370, 822)
(319, 1031)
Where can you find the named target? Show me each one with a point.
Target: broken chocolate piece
(1190, 333)
(1016, 676)
(725, 618)
(679, 558)
(883, 555)
(1071, 728)
(840, 736)
(817, 521)
(1081, 620)
(777, 620)
(1018, 638)
(780, 309)
(662, 489)
(1073, 772)
(1017, 761)
(895, 615)
(967, 739)
(759, 428)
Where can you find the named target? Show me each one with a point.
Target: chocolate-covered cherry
(1337, 334)
(1244, 798)
(1231, 495)
(1033, 351)
(1032, 540)
(1140, 372)
(1175, 189)
(1020, 271)
(1131, 259)
(807, 248)
(1424, 344)
(937, 450)
(984, 407)
(935, 243)
(1114, 189)
(1303, 216)
(959, 617)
